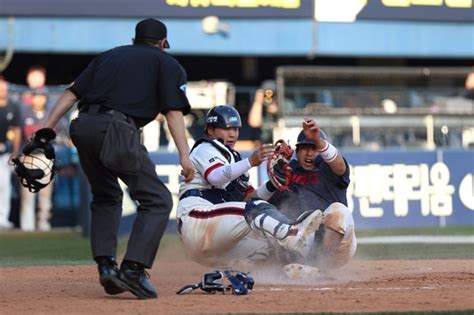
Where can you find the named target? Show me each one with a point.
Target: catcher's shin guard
(264, 217)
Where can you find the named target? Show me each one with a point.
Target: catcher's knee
(254, 208)
(264, 217)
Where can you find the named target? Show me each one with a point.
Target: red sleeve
(211, 168)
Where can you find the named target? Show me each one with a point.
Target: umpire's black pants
(154, 199)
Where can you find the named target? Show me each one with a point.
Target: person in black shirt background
(10, 140)
(469, 86)
(127, 87)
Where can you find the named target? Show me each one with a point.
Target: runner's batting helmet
(303, 140)
(223, 116)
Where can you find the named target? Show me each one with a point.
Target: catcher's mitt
(278, 168)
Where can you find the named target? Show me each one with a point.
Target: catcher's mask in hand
(35, 165)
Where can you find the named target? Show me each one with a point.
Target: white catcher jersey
(215, 234)
(206, 158)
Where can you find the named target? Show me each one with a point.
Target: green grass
(414, 251)
(68, 248)
(65, 248)
(461, 230)
(53, 248)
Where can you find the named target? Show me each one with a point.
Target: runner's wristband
(328, 153)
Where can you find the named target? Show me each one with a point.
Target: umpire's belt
(212, 195)
(99, 109)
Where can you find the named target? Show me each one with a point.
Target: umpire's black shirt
(138, 80)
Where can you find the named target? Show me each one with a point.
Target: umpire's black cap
(303, 140)
(151, 29)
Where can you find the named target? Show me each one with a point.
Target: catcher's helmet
(35, 165)
(223, 116)
(303, 140)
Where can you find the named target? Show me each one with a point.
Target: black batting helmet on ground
(223, 116)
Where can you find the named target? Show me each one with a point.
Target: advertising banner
(411, 189)
(397, 10)
(159, 8)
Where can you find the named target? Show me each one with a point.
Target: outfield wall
(412, 188)
(389, 188)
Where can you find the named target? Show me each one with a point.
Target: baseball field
(402, 271)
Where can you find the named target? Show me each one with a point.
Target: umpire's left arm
(62, 106)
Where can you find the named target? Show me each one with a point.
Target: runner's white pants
(339, 243)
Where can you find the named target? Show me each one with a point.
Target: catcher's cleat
(309, 223)
(298, 271)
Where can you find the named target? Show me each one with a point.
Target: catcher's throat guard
(35, 165)
(237, 282)
(278, 165)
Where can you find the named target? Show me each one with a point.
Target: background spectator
(34, 117)
(36, 81)
(470, 86)
(10, 137)
(264, 112)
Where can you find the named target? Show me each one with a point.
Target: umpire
(120, 91)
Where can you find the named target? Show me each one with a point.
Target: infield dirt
(361, 286)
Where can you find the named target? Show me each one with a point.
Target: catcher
(219, 218)
(319, 179)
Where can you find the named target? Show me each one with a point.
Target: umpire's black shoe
(109, 275)
(136, 280)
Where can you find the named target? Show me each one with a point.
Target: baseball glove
(278, 168)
